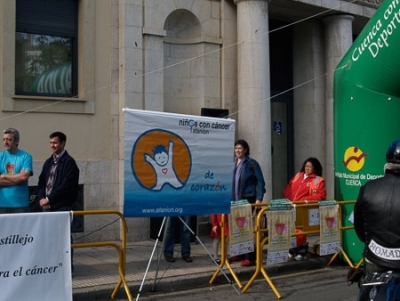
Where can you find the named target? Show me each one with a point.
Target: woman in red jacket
(308, 184)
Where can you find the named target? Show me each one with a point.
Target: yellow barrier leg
(122, 279)
(118, 285)
(233, 274)
(259, 262)
(224, 258)
(120, 248)
(346, 257)
(274, 289)
(333, 258)
(359, 263)
(259, 255)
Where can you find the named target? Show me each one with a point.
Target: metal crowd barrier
(260, 242)
(121, 248)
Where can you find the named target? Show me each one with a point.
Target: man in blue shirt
(15, 170)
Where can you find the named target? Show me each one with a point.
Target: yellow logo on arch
(160, 158)
(354, 158)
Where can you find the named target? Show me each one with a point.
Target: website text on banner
(35, 252)
(177, 165)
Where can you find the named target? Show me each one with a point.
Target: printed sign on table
(35, 252)
(177, 164)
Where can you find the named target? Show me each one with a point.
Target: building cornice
(371, 3)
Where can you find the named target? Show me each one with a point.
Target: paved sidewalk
(96, 270)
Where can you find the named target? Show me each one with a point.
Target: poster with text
(35, 252)
(280, 227)
(176, 164)
(241, 236)
(329, 230)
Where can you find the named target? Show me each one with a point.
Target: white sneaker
(298, 257)
(290, 256)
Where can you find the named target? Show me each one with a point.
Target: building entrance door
(282, 143)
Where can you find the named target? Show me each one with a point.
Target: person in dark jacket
(376, 216)
(248, 180)
(59, 179)
(247, 183)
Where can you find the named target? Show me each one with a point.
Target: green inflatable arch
(366, 110)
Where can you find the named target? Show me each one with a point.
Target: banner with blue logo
(177, 164)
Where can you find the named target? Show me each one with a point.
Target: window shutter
(48, 17)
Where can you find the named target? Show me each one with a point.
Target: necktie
(51, 178)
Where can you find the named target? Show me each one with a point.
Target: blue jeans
(169, 237)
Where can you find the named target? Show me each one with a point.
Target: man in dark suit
(59, 179)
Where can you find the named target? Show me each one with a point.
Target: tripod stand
(165, 222)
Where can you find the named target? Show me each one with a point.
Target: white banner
(35, 252)
(177, 164)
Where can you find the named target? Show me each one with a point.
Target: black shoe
(187, 259)
(218, 260)
(169, 259)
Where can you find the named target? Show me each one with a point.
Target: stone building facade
(270, 63)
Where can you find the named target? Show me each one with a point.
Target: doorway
(282, 143)
(281, 75)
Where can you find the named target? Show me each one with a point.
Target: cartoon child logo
(162, 165)
(161, 158)
(354, 158)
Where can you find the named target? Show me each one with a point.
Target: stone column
(309, 92)
(338, 39)
(254, 113)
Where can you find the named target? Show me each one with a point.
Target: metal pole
(151, 257)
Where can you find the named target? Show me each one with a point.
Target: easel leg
(151, 257)
(153, 289)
